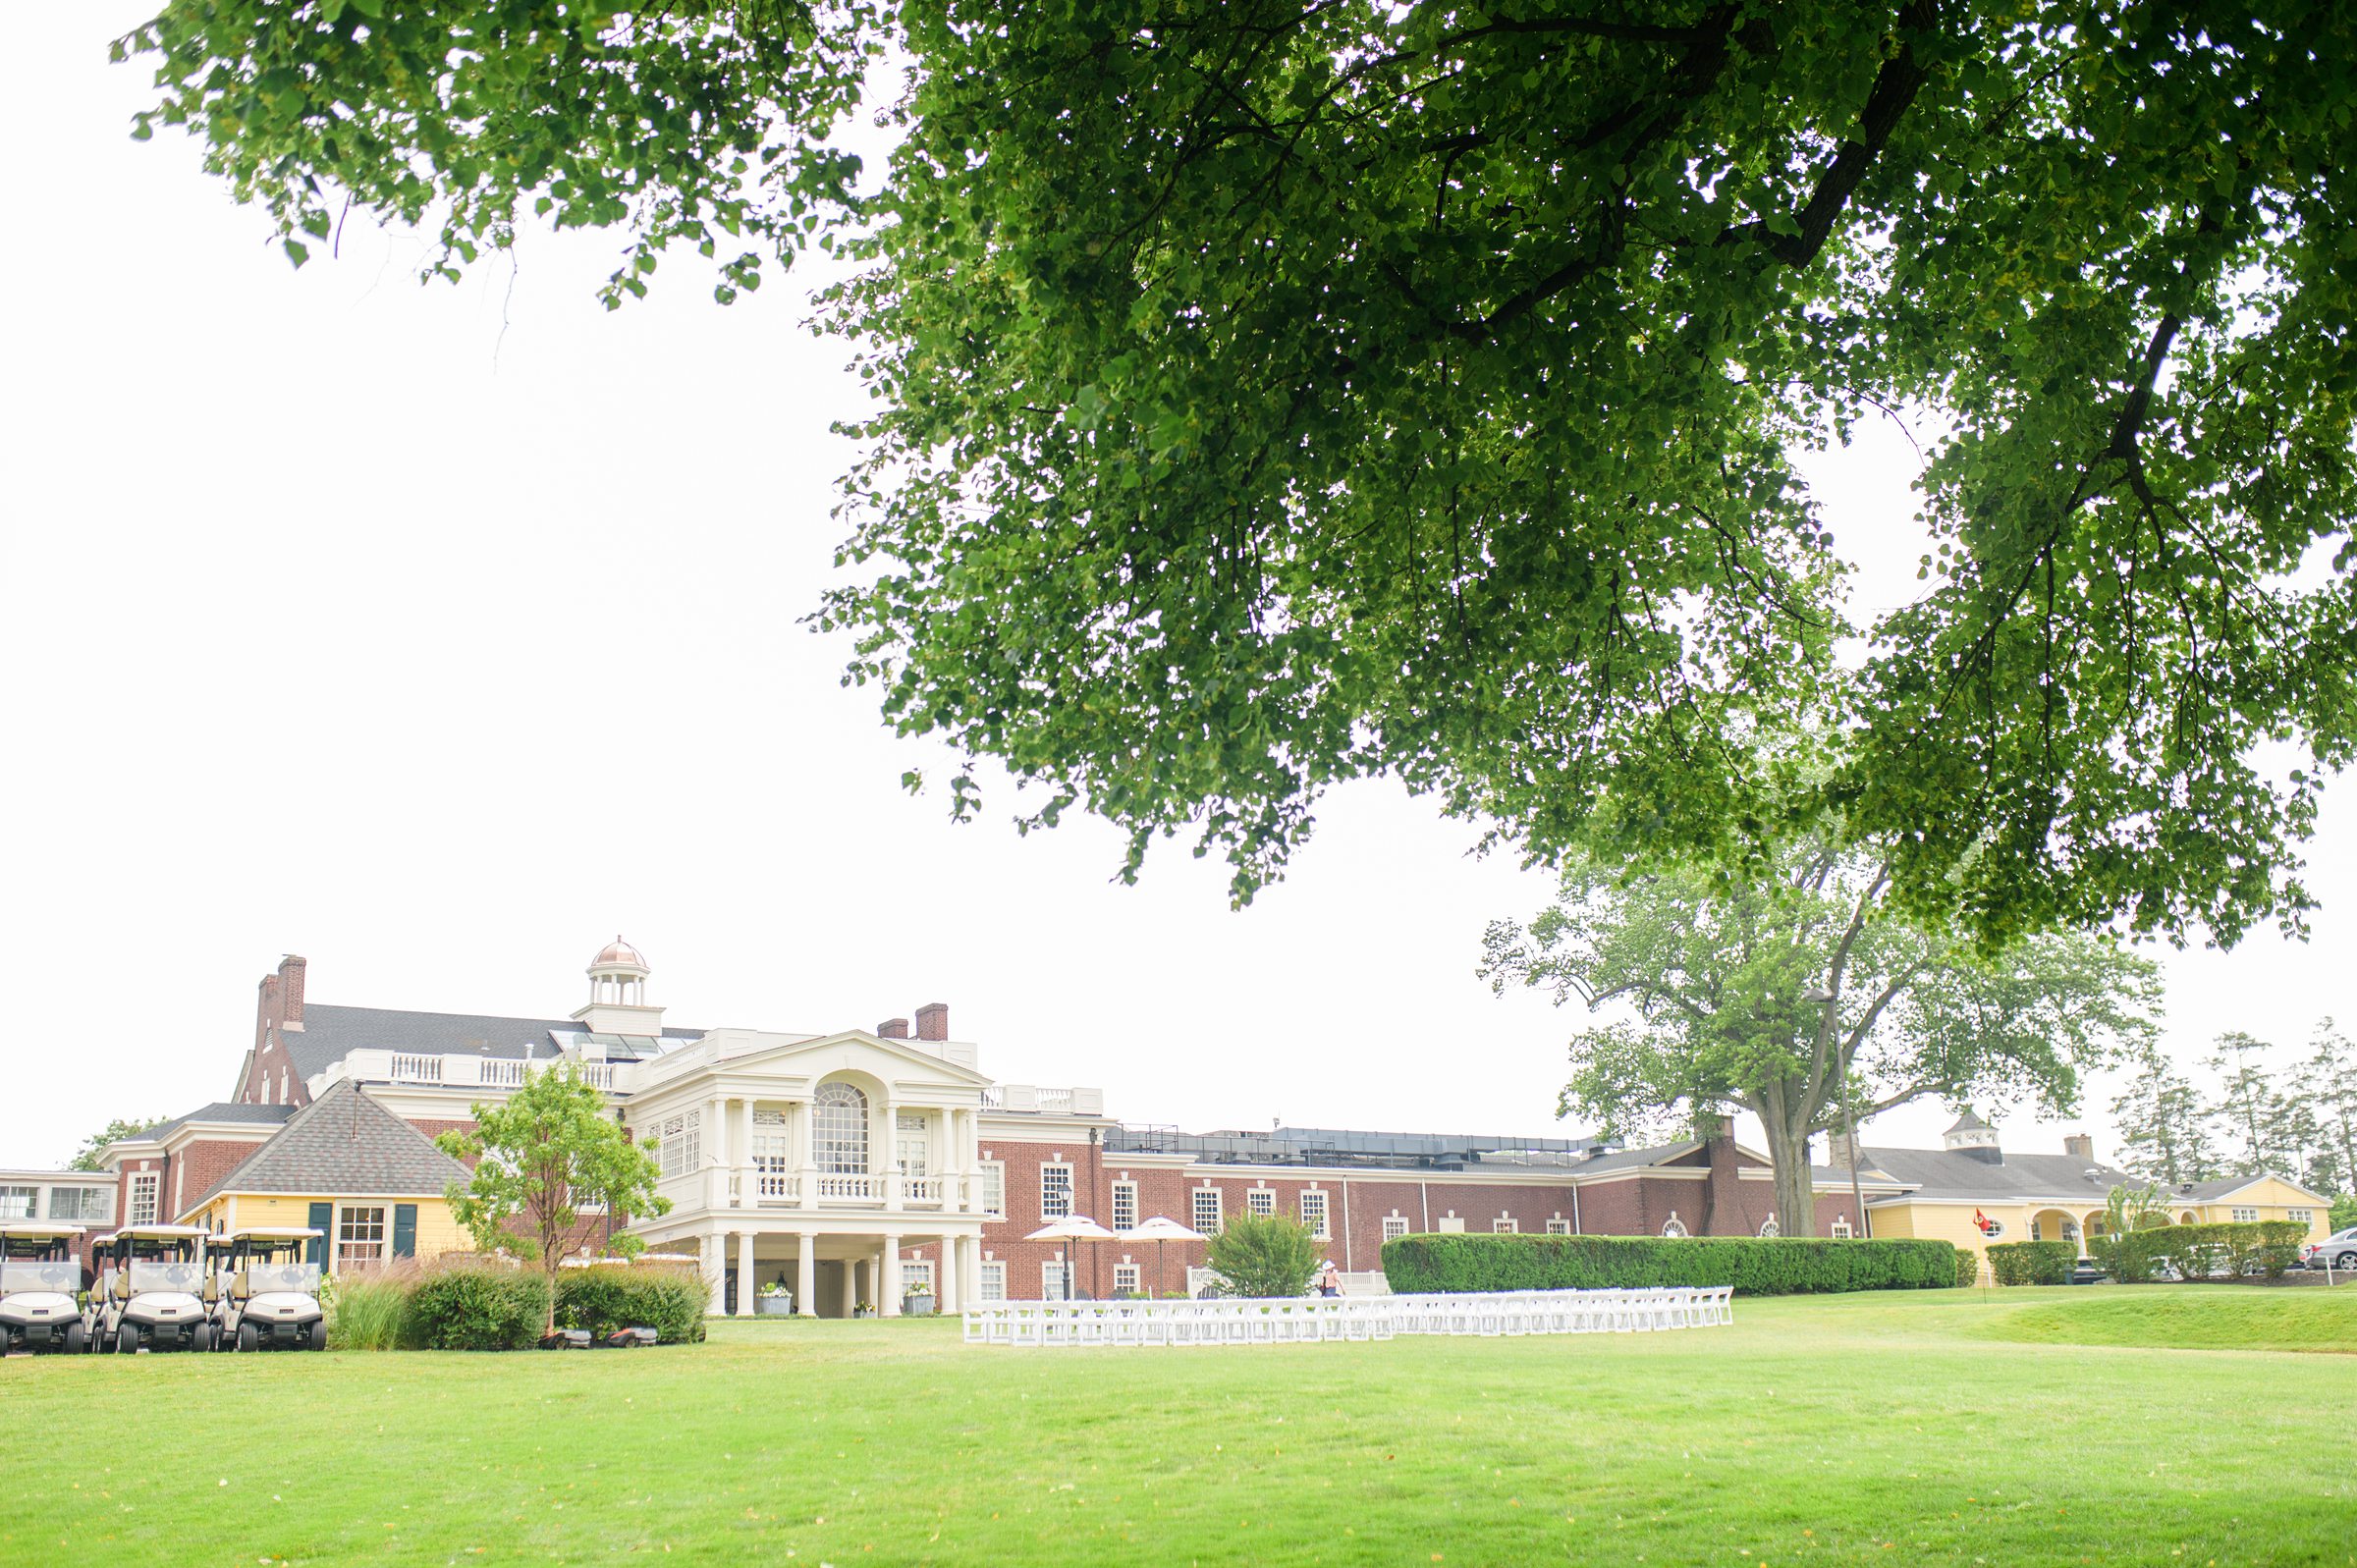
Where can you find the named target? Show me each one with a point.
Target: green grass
(2307, 1320)
(1886, 1429)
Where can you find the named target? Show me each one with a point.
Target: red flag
(1980, 1221)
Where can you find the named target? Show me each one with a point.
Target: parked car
(2336, 1251)
(41, 1287)
(2087, 1271)
(152, 1292)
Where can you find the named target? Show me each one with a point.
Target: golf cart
(269, 1290)
(152, 1290)
(41, 1287)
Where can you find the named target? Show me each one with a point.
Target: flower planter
(863, 1312)
(774, 1306)
(916, 1306)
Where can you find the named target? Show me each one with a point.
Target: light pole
(1821, 997)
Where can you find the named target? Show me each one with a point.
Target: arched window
(1770, 1227)
(840, 1127)
(1676, 1226)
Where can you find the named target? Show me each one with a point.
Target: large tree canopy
(1803, 998)
(1273, 394)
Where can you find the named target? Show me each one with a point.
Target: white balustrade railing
(852, 1188)
(1249, 1321)
(924, 1191)
(780, 1186)
(415, 1069)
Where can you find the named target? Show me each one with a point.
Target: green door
(404, 1230)
(323, 1221)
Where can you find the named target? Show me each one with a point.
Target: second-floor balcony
(771, 1187)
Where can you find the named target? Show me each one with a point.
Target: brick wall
(270, 1078)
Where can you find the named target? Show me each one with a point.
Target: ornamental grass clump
(370, 1310)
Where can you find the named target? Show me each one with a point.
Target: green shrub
(1969, 1268)
(2228, 1250)
(2032, 1263)
(1754, 1266)
(473, 1308)
(371, 1311)
(668, 1299)
(1265, 1254)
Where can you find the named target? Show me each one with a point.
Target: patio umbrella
(1071, 1228)
(1159, 1230)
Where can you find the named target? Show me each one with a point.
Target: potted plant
(861, 1309)
(775, 1301)
(917, 1301)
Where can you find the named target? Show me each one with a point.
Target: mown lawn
(1888, 1428)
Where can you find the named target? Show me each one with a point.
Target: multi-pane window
(771, 1159)
(682, 1143)
(79, 1204)
(1124, 1206)
(916, 1271)
(914, 1142)
(1126, 1279)
(1055, 1192)
(1313, 1214)
(2299, 1217)
(994, 1189)
(1207, 1210)
(2246, 1217)
(1558, 1226)
(994, 1281)
(20, 1202)
(1506, 1227)
(1841, 1230)
(839, 1129)
(360, 1236)
(144, 1188)
(1393, 1227)
(1051, 1279)
(1261, 1201)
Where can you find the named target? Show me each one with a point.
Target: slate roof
(1956, 1173)
(329, 1034)
(223, 1111)
(344, 1144)
(2202, 1191)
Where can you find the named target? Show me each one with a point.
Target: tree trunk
(1796, 1199)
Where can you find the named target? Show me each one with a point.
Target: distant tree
(1265, 1254)
(2331, 1085)
(2163, 1125)
(2344, 1211)
(87, 1158)
(538, 1157)
(1782, 992)
(2245, 1093)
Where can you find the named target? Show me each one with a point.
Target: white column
(851, 1285)
(886, 1159)
(716, 1274)
(969, 1269)
(802, 1136)
(959, 1197)
(805, 1275)
(748, 1186)
(716, 1155)
(946, 1297)
(744, 1274)
(889, 1303)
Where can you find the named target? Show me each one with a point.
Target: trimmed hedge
(1776, 1266)
(669, 1300)
(2032, 1263)
(477, 1309)
(1969, 1268)
(2228, 1250)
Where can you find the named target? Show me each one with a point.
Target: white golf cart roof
(270, 1233)
(158, 1234)
(36, 1227)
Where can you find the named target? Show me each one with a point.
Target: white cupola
(618, 1002)
(1974, 1137)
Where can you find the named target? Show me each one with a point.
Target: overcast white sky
(339, 623)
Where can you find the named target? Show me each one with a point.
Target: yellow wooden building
(372, 1183)
(1973, 1193)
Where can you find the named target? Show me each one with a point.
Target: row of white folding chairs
(1296, 1321)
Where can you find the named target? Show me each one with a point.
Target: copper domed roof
(618, 951)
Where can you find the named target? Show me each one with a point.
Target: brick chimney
(1837, 1150)
(893, 1029)
(933, 1021)
(2080, 1146)
(290, 979)
(265, 1010)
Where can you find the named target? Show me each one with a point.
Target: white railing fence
(1303, 1320)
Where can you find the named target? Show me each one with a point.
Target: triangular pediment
(902, 1054)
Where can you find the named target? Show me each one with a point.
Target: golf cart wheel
(77, 1339)
(201, 1338)
(127, 1341)
(315, 1338)
(249, 1337)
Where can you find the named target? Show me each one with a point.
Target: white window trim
(1558, 1226)
(1129, 1277)
(31, 1197)
(990, 1172)
(1120, 1190)
(1393, 1226)
(1046, 1169)
(1322, 1226)
(1506, 1225)
(2243, 1216)
(384, 1242)
(1261, 1202)
(1218, 1208)
(146, 1195)
(1050, 1278)
(992, 1286)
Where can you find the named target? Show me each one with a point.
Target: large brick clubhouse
(849, 1166)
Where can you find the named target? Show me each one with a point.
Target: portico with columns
(819, 1163)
